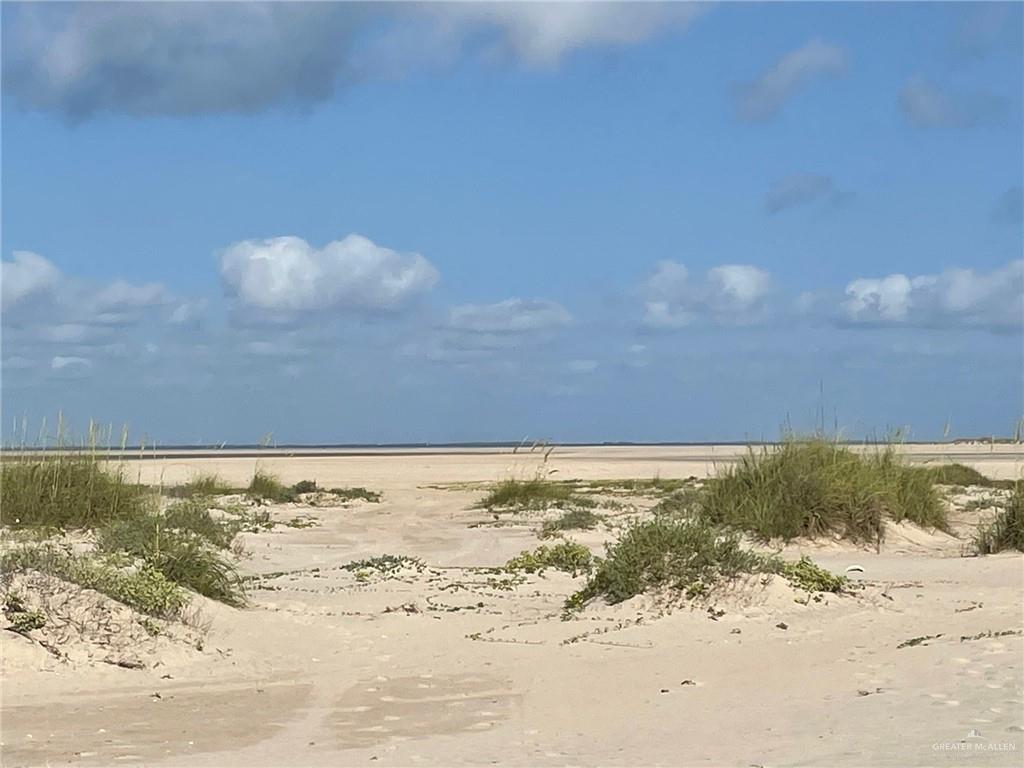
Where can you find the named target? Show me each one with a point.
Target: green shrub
(815, 487)
(1006, 531)
(352, 494)
(304, 486)
(531, 494)
(807, 575)
(67, 491)
(689, 555)
(567, 556)
(573, 520)
(23, 620)
(145, 588)
(267, 487)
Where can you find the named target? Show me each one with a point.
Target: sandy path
(446, 665)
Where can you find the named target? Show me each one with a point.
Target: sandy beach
(444, 661)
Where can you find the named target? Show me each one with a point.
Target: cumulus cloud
(955, 297)
(509, 316)
(287, 274)
(798, 189)
(185, 58)
(762, 98)
(26, 275)
(730, 294)
(36, 292)
(926, 105)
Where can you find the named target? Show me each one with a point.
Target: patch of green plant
(817, 487)
(267, 487)
(532, 495)
(654, 486)
(185, 545)
(807, 575)
(300, 521)
(962, 475)
(354, 494)
(1006, 530)
(689, 555)
(67, 491)
(567, 556)
(152, 628)
(387, 565)
(572, 520)
(143, 588)
(23, 620)
(203, 484)
(305, 486)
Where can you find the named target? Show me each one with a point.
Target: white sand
(444, 667)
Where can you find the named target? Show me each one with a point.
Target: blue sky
(580, 222)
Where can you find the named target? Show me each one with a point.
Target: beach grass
(1006, 530)
(67, 491)
(571, 520)
(815, 487)
(203, 484)
(79, 491)
(268, 487)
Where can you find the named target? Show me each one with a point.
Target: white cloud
(926, 105)
(730, 294)
(541, 33)
(185, 58)
(287, 274)
(70, 368)
(27, 275)
(764, 97)
(509, 316)
(956, 297)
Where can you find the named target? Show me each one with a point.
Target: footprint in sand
(404, 708)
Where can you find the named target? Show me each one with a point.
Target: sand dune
(444, 662)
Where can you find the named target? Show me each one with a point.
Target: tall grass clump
(201, 485)
(266, 486)
(66, 491)
(688, 555)
(816, 487)
(185, 544)
(1006, 530)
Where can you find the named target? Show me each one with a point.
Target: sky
(579, 222)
